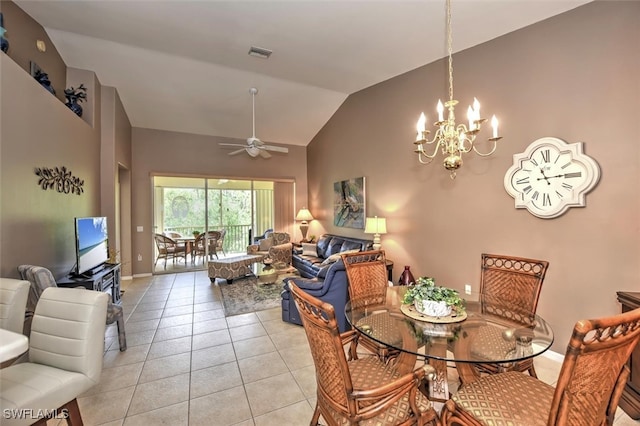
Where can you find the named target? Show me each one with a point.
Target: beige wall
(37, 130)
(575, 77)
(115, 172)
(23, 33)
(181, 154)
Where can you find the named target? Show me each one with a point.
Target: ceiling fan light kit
(255, 147)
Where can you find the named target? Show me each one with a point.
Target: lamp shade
(304, 214)
(375, 225)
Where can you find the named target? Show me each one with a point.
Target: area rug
(244, 295)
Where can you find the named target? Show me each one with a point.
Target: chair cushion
(265, 244)
(368, 373)
(510, 398)
(38, 387)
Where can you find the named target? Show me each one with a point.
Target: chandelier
(453, 140)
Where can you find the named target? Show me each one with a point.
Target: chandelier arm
(495, 145)
(421, 152)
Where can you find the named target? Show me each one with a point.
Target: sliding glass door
(185, 207)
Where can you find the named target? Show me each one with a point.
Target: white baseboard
(148, 274)
(554, 356)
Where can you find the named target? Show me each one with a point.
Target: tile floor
(188, 364)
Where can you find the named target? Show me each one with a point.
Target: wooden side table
(630, 399)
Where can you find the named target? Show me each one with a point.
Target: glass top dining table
(487, 332)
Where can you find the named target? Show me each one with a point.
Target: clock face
(551, 176)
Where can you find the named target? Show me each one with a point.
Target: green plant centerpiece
(433, 300)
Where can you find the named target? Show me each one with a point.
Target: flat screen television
(92, 247)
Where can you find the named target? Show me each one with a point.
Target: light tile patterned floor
(188, 364)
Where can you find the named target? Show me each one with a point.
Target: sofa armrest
(306, 284)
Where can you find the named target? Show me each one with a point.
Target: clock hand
(544, 177)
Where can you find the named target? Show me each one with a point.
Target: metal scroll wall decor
(60, 179)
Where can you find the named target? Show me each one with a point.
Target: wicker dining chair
(515, 282)
(589, 386)
(168, 249)
(206, 242)
(357, 391)
(368, 283)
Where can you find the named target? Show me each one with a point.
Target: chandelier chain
(450, 48)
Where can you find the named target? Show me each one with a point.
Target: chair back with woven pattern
(163, 243)
(367, 275)
(332, 372)
(516, 281)
(594, 373)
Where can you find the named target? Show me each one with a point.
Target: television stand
(103, 278)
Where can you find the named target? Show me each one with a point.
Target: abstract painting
(349, 203)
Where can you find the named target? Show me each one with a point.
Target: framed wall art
(349, 203)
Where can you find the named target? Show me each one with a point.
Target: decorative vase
(406, 278)
(432, 308)
(74, 106)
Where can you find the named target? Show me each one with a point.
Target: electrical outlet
(467, 289)
(139, 257)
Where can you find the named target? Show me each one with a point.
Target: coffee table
(232, 267)
(269, 274)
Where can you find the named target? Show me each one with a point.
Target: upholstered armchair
(276, 245)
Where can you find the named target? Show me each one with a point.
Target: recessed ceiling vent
(260, 52)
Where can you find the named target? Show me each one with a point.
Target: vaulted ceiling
(183, 65)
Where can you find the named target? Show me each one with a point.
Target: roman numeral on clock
(522, 181)
(546, 200)
(546, 155)
(535, 195)
(572, 175)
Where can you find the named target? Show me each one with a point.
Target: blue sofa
(332, 288)
(327, 245)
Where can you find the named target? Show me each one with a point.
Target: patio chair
(589, 386)
(169, 249)
(220, 245)
(206, 242)
(516, 282)
(357, 390)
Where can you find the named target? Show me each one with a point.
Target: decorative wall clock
(550, 176)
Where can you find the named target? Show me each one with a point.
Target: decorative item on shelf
(453, 140)
(304, 215)
(4, 43)
(267, 261)
(43, 78)
(195, 234)
(74, 96)
(312, 238)
(59, 179)
(376, 226)
(406, 278)
(432, 300)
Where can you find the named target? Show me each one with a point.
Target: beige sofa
(276, 246)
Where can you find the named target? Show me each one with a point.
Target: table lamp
(304, 215)
(376, 226)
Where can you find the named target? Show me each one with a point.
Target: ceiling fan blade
(237, 152)
(276, 148)
(230, 144)
(264, 154)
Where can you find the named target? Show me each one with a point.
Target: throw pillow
(265, 244)
(335, 257)
(309, 249)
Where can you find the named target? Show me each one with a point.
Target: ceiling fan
(255, 146)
